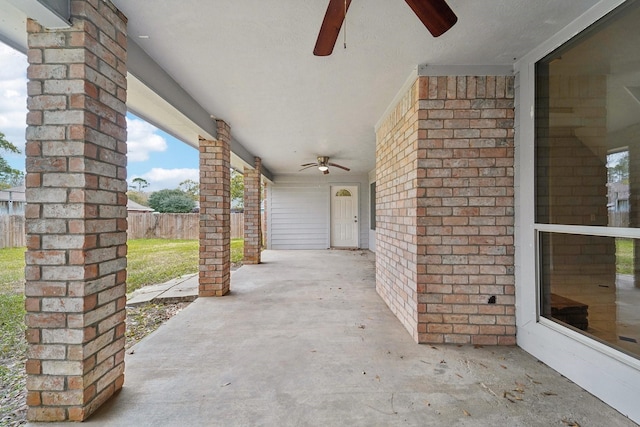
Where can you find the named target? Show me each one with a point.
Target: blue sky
(152, 154)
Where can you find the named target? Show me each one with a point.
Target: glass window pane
(588, 128)
(587, 172)
(589, 283)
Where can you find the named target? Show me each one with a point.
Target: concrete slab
(304, 340)
(184, 288)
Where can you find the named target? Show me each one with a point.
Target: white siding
(298, 210)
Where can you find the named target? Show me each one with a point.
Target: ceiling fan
(323, 165)
(436, 15)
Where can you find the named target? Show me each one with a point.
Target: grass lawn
(624, 256)
(151, 261)
(12, 271)
(237, 251)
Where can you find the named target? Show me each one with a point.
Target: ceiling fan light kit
(322, 163)
(436, 15)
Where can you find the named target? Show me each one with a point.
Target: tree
(618, 167)
(179, 203)
(237, 189)
(8, 175)
(174, 201)
(190, 188)
(139, 184)
(12, 179)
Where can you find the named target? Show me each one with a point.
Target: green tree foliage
(618, 167)
(190, 188)
(180, 203)
(9, 176)
(237, 189)
(173, 201)
(139, 184)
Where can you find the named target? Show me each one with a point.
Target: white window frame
(605, 372)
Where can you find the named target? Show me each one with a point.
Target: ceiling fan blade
(330, 28)
(326, 172)
(308, 164)
(339, 166)
(436, 15)
(307, 167)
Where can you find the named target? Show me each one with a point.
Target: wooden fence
(145, 225)
(618, 219)
(142, 225)
(12, 234)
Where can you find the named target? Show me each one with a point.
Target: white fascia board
(48, 13)
(464, 70)
(13, 26)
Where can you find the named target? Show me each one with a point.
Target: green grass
(237, 250)
(11, 324)
(151, 261)
(624, 256)
(13, 349)
(12, 271)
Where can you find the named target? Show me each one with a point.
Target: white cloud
(160, 178)
(142, 139)
(13, 95)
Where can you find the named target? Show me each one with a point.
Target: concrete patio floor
(304, 340)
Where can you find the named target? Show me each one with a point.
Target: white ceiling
(250, 63)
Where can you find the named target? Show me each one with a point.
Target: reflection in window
(343, 193)
(588, 175)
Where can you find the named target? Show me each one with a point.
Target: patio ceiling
(250, 63)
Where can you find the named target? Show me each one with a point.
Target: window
(372, 205)
(343, 193)
(587, 187)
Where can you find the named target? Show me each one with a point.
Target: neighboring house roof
(15, 194)
(137, 207)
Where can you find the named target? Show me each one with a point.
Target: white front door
(344, 216)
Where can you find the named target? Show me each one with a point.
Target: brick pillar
(76, 217)
(252, 225)
(466, 292)
(444, 206)
(215, 214)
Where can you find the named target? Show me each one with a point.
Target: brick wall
(445, 229)
(396, 210)
(215, 209)
(76, 213)
(252, 215)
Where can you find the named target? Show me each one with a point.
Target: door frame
(333, 185)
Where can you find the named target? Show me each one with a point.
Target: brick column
(444, 205)
(215, 214)
(76, 213)
(466, 292)
(252, 225)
